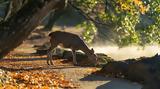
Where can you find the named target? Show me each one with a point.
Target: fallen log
(145, 70)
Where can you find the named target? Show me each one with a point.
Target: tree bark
(19, 26)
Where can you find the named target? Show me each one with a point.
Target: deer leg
(49, 54)
(74, 57)
(51, 58)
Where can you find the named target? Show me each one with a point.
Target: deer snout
(94, 60)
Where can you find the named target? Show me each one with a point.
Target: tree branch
(86, 16)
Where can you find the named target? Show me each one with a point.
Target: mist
(128, 52)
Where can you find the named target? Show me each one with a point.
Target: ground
(80, 77)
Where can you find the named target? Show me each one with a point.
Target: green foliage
(89, 32)
(134, 21)
(127, 32)
(152, 31)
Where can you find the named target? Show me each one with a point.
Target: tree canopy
(132, 21)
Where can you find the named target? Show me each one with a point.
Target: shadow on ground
(37, 68)
(110, 83)
(28, 64)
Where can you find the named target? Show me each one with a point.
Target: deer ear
(92, 50)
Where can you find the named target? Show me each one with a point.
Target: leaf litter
(34, 79)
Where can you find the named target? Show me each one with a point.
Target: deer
(71, 41)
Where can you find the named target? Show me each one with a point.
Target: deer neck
(86, 50)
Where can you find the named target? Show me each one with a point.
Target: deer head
(93, 57)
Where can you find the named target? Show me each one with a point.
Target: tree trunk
(19, 26)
